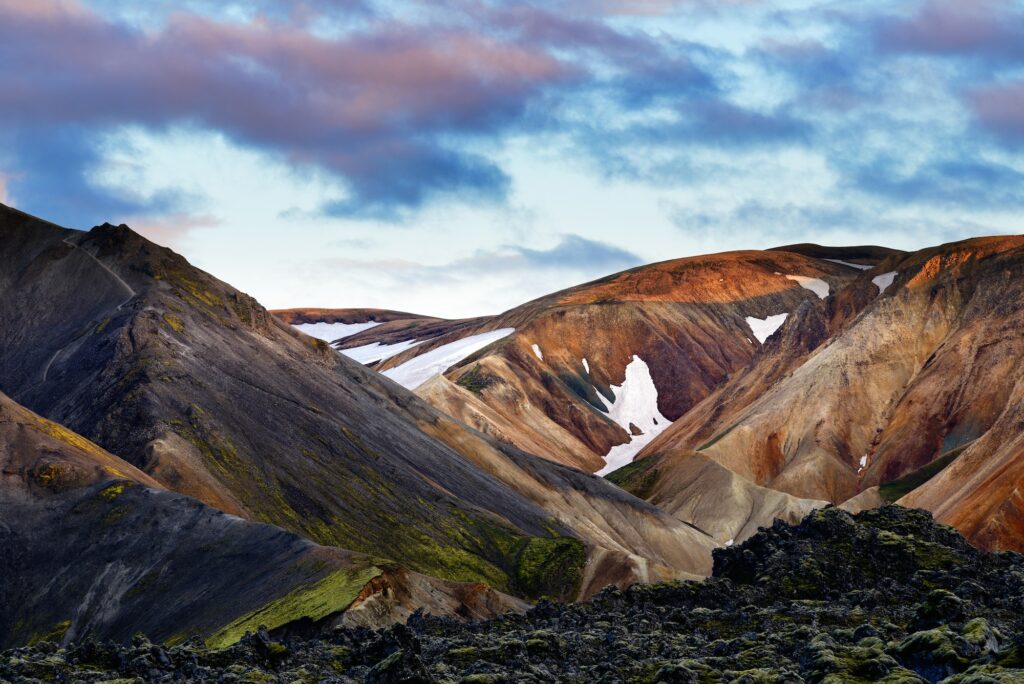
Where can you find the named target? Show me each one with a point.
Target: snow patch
(329, 332)
(636, 402)
(766, 327)
(586, 366)
(418, 370)
(883, 281)
(863, 463)
(730, 542)
(815, 285)
(862, 267)
(537, 351)
(375, 351)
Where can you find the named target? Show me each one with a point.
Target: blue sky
(457, 157)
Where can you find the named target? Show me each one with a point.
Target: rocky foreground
(887, 595)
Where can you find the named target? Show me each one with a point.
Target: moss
(174, 323)
(550, 567)
(638, 478)
(584, 389)
(897, 489)
(145, 583)
(101, 326)
(714, 440)
(475, 380)
(332, 594)
(61, 433)
(115, 514)
(113, 491)
(54, 635)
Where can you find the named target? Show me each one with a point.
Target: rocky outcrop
(883, 596)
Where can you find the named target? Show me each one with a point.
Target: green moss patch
(174, 323)
(638, 478)
(475, 380)
(332, 594)
(551, 568)
(897, 489)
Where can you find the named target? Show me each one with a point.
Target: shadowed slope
(93, 546)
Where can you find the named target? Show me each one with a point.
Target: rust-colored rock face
(924, 374)
(905, 381)
(546, 387)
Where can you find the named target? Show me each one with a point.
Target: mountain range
(733, 389)
(177, 460)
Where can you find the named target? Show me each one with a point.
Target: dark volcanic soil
(887, 595)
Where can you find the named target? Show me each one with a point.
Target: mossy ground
(332, 594)
(887, 596)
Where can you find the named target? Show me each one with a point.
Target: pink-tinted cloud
(958, 27)
(1001, 109)
(171, 230)
(374, 107)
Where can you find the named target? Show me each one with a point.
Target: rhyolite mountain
(885, 596)
(196, 385)
(94, 547)
(891, 376)
(914, 394)
(546, 387)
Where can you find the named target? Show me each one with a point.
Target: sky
(459, 157)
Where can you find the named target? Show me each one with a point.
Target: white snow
(862, 267)
(763, 328)
(863, 463)
(329, 332)
(815, 285)
(883, 281)
(375, 351)
(586, 366)
(417, 371)
(730, 542)
(636, 403)
(538, 352)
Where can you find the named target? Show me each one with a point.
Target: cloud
(956, 27)
(958, 182)
(1000, 109)
(572, 252)
(3, 189)
(378, 107)
(171, 230)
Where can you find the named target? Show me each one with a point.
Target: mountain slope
(197, 385)
(608, 364)
(95, 547)
(920, 367)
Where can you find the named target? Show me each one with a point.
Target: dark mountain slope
(90, 545)
(197, 385)
(886, 596)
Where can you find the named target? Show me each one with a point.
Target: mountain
(196, 385)
(588, 376)
(915, 389)
(891, 376)
(884, 596)
(95, 547)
